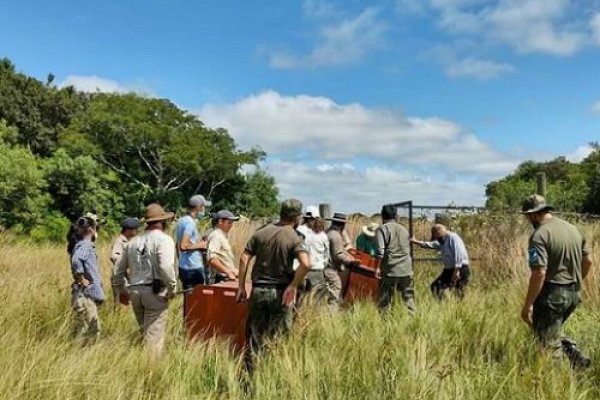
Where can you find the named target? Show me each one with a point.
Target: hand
(170, 294)
(289, 296)
(241, 296)
(85, 282)
(455, 275)
(378, 273)
(354, 263)
(231, 276)
(527, 314)
(413, 240)
(202, 244)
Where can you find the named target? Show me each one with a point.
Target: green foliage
(22, 200)
(570, 186)
(64, 152)
(52, 227)
(79, 184)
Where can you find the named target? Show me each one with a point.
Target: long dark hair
(78, 231)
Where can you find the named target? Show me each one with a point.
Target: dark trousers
(389, 287)
(444, 281)
(267, 317)
(192, 277)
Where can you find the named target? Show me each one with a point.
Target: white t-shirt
(317, 245)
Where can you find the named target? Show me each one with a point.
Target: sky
(357, 103)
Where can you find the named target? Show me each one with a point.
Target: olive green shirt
(393, 248)
(560, 247)
(275, 248)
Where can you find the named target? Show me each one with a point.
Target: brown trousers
(151, 314)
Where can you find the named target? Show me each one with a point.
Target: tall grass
(474, 349)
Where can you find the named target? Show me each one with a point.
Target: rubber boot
(576, 357)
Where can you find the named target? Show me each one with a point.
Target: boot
(576, 357)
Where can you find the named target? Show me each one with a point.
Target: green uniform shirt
(366, 244)
(393, 248)
(275, 248)
(558, 246)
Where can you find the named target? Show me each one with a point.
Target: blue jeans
(192, 277)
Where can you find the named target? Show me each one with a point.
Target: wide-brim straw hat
(154, 212)
(370, 229)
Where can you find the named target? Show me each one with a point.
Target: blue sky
(356, 102)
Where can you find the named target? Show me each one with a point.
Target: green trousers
(551, 309)
(267, 317)
(404, 286)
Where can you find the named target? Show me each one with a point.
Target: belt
(141, 284)
(278, 286)
(567, 286)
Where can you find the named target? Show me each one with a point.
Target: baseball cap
(312, 212)
(130, 223)
(226, 214)
(199, 200)
(290, 208)
(535, 203)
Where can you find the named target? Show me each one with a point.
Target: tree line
(64, 152)
(572, 186)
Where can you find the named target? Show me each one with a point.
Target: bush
(52, 228)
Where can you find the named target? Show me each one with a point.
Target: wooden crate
(366, 260)
(212, 311)
(361, 285)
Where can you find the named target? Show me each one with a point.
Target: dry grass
(477, 349)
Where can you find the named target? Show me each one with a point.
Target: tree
(79, 184)
(160, 151)
(22, 201)
(39, 111)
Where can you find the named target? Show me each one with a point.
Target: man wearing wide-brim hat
(365, 241)
(149, 262)
(559, 260)
(339, 258)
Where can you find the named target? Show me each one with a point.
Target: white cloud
(479, 69)
(580, 153)
(340, 43)
(595, 26)
(527, 26)
(596, 107)
(93, 83)
(326, 130)
(366, 190)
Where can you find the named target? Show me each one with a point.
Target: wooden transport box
(212, 311)
(366, 260)
(361, 285)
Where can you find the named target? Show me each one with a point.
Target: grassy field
(476, 349)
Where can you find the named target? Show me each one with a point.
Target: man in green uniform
(396, 271)
(274, 282)
(559, 261)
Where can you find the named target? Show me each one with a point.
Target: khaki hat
(154, 212)
(370, 229)
(535, 203)
(290, 208)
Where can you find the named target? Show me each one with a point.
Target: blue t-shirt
(188, 259)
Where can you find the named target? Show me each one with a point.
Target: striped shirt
(83, 261)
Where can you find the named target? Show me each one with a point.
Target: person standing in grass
(129, 228)
(317, 245)
(149, 262)
(559, 260)
(395, 269)
(274, 282)
(365, 241)
(219, 253)
(339, 258)
(455, 258)
(86, 290)
(190, 245)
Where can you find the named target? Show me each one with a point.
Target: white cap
(312, 212)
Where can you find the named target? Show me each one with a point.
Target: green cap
(535, 203)
(290, 208)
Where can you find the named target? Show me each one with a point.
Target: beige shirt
(219, 248)
(148, 256)
(118, 247)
